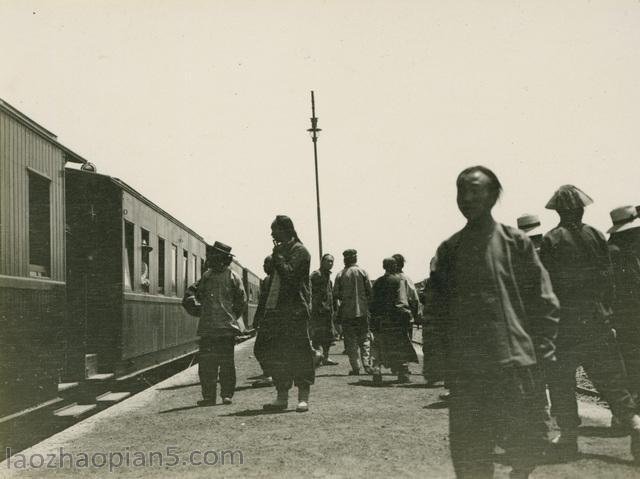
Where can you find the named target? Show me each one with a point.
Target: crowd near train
(97, 277)
(92, 273)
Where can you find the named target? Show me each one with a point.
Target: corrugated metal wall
(21, 148)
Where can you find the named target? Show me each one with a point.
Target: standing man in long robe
(494, 306)
(390, 315)
(577, 258)
(288, 354)
(321, 326)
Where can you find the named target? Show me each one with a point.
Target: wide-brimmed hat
(220, 248)
(530, 224)
(146, 246)
(568, 197)
(624, 218)
(349, 253)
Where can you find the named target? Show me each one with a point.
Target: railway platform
(351, 430)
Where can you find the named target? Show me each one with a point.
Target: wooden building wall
(20, 149)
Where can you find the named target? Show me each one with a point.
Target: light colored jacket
(223, 300)
(352, 289)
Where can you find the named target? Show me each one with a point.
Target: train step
(75, 411)
(64, 388)
(109, 398)
(100, 377)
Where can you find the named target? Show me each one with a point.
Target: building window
(202, 270)
(128, 252)
(161, 266)
(39, 226)
(145, 279)
(174, 269)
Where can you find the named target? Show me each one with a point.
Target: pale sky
(203, 105)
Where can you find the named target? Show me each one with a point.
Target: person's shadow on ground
(256, 412)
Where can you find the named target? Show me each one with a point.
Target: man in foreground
(493, 302)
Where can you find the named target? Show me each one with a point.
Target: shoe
(280, 404)
(354, 372)
(377, 379)
(226, 401)
(206, 402)
(303, 406)
(565, 446)
(519, 474)
(445, 396)
(330, 362)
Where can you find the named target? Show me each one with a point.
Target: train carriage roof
(40, 131)
(139, 196)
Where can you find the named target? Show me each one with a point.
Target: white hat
(530, 224)
(624, 218)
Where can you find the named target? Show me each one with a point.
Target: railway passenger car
(32, 259)
(128, 265)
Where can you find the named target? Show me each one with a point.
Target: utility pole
(314, 131)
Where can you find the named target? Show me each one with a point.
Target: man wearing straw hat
(531, 225)
(624, 246)
(222, 296)
(577, 258)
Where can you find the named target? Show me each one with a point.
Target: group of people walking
(507, 313)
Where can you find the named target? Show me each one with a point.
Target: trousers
(485, 405)
(602, 362)
(216, 361)
(357, 341)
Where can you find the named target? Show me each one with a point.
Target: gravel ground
(352, 430)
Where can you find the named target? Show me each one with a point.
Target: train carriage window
(192, 269)
(161, 261)
(128, 251)
(39, 226)
(185, 268)
(145, 248)
(174, 269)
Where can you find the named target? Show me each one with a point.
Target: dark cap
(349, 253)
(220, 248)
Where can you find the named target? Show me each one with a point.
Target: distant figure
(321, 326)
(433, 346)
(624, 246)
(492, 302)
(145, 283)
(222, 296)
(531, 225)
(267, 266)
(414, 306)
(390, 314)
(284, 328)
(352, 289)
(577, 258)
